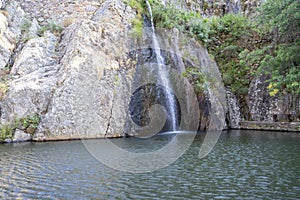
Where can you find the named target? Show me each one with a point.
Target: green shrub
(30, 121)
(138, 5)
(28, 124)
(52, 27)
(281, 19)
(137, 30)
(196, 78)
(25, 26)
(283, 69)
(7, 130)
(241, 46)
(138, 23)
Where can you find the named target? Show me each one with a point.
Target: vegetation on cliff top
(267, 44)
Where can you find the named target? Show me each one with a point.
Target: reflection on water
(243, 164)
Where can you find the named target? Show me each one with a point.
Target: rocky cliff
(72, 72)
(75, 78)
(77, 81)
(217, 7)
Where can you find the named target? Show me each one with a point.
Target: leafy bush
(138, 5)
(282, 19)
(281, 16)
(242, 46)
(196, 78)
(138, 23)
(7, 130)
(187, 22)
(284, 68)
(28, 124)
(30, 121)
(137, 30)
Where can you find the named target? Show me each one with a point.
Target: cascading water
(163, 74)
(234, 110)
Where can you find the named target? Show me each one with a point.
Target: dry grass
(4, 12)
(68, 21)
(3, 90)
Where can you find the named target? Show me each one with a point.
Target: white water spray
(163, 74)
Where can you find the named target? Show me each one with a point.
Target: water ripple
(243, 165)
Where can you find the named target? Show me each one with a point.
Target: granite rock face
(79, 82)
(59, 11)
(29, 88)
(37, 53)
(10, 31)
(217, 7)
(91, 96)
(89, 100)
(21, 136)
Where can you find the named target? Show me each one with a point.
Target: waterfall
(163, 74)
(234, 110)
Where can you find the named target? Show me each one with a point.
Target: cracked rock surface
(78, 82)
(59, 10)
(87, 92)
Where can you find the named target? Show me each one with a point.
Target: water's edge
(270, 126)
(118, 136)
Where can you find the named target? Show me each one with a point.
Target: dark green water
(243, 165)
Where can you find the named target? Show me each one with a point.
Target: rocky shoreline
(271, 126)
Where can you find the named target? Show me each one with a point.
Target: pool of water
(242, 165)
